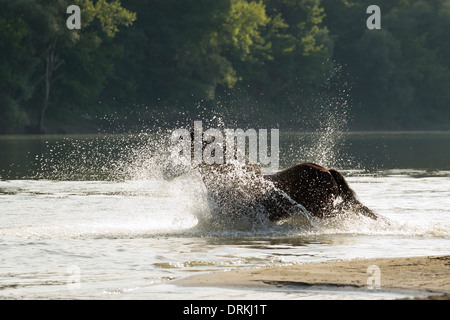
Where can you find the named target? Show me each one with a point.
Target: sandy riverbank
(422, 274)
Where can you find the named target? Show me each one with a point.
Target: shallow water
(131, 238)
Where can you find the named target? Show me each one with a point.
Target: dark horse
(322, 192)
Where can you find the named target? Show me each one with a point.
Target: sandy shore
(422, 274)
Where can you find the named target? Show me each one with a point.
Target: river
(90, 217)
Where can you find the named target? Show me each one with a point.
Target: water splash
(145, 156)
(240, 201)
(327, 120)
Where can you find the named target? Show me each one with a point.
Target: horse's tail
(349, 197)
(345, 191)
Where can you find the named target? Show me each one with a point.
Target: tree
(47, 37)
(400, 74)
(183, 51)
(296, 60)
(14, 63)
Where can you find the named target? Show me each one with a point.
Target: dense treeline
(278, 62)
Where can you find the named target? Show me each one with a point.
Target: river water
(90, 217)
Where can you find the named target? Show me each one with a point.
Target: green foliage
(270, 56)
(110, 14)
(38, 46)
(399, 74)
(14, 64)
(242, 29)
(12, 118)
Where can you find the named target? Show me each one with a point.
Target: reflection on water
(95, 157)
(377, 151)
(275, 243)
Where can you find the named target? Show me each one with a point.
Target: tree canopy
(269, 61)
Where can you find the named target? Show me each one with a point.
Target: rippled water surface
(84, 218)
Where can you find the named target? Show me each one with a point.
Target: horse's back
(309, 184)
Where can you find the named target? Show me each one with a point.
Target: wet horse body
(322, 192)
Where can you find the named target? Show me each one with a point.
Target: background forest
(137, 64)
